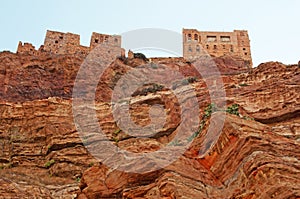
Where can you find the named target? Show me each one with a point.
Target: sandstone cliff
(256, 154)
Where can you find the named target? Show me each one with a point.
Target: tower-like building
(216, 44)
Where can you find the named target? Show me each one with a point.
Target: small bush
(192, 79)
(175, 143)
(234, 109)
(91, 164)
(116, 140)
(49, 163)
(243, 84)
(209, 110)
(117, 131)
(140, 56)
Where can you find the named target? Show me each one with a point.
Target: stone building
(27, 48)
(195, 43)
(111, 40)
(68, 43)
(216, 44)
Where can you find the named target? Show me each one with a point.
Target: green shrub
(140, 56)
(117, 131)
(243, 84)
(175, 143)
(234, 109)
(211, 108)
(192, 79)
(91, 164)
(49, 163)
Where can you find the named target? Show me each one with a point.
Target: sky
(273, 25)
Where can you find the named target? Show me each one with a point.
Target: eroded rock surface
(255, 155)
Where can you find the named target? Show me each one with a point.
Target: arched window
(190, 49)
(196, 37)
(189, 37)
(198, 48)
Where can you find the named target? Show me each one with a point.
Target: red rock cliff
(255, 155)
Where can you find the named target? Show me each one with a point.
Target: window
(231, 48)
(246, 53)
(196, 37)
(207, 46)
(61, 37)
(225, 38)
(56, 42)
(96, 41)
(198, 48)
(224, 47)
(190, 49)
(189, 37)
(215, 47)
(116, 40)
(244, 48)
(211, 38)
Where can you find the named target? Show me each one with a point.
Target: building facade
(68, 43)
(217, 44)
(195, 44)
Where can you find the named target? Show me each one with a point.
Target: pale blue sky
(273, 25)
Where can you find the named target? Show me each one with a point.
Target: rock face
(254, 155)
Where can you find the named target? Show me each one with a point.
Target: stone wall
(27, 48)
(69, 43)
(217, 44)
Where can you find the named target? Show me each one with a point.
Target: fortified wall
(217, 44)
(69, 43)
